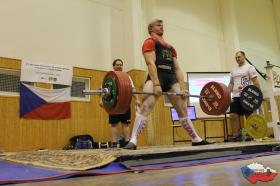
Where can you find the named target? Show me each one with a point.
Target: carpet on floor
(63, 159)
(11, 172)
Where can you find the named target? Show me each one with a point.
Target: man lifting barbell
(164, 75)
(242, 76)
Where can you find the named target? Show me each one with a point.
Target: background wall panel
(87, 118)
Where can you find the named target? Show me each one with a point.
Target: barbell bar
(214, 98)
(116, 94)
(105, 91)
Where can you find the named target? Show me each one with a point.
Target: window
(9, 82)
(78, 85)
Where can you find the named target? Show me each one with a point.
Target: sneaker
(123, 144)
(130, 146)
(203, 142)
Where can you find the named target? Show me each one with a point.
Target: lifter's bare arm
(137, 100)
(231, 84)
(150, 58)
(256, 82)
(180, 77)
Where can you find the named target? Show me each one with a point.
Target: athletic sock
(188, 126)
(139, 124)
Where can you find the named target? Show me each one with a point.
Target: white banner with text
(46, 73)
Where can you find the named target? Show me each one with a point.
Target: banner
(46, 73)
(40, 103)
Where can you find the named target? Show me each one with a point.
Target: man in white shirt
(241, 76)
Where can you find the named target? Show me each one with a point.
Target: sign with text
(46, 73)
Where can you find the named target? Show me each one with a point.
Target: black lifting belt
(261, 73)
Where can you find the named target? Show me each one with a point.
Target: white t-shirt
(242, 76)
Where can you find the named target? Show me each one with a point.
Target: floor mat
(181, 158)
(199, 161)
(17, 173)
(64, 160)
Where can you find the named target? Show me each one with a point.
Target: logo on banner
(257, 172)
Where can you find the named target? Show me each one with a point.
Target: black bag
(80, 142)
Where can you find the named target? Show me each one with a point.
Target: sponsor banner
(46, 73)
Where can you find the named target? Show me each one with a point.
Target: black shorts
(123, 118)
(166, 80)
(236, 107)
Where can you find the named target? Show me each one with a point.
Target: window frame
(87, 81)
(6, 93)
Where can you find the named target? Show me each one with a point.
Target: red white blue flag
(257, 172)
(40, 103)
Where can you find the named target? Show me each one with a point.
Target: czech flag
(256, 172)
(46, 104)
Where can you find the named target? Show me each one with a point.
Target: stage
(46, 165)
(143, 155)
(186, 152)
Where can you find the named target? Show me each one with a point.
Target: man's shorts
(236, 107)
(123, 118)
(166, 80)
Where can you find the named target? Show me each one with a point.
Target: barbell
(116, 93)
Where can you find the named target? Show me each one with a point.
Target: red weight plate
(117, 109)
(124, 92)
(227, 98)
(127, 92)
(220, 101)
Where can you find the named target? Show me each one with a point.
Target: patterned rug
(63, 159)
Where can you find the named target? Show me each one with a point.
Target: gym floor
(220, 174)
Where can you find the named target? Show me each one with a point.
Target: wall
(194, 28)
(91, 33)
(276, 12)
(206, 34)
(84, 33)
(86, 118)
(258, 32)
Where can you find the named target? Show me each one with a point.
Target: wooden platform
(171, 153)
(146, 155)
